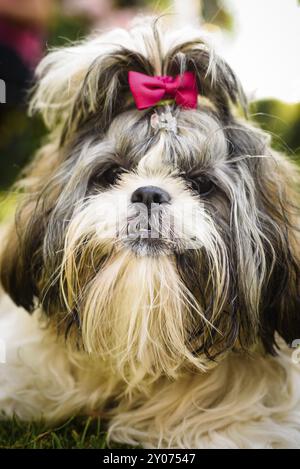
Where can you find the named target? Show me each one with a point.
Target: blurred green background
(20, 135)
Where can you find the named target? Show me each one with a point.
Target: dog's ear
(281, 302)
(274, 213)
(22, 247)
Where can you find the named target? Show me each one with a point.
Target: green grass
(77, 433)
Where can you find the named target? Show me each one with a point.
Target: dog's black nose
(150, 195)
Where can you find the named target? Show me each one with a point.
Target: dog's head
(154, 245)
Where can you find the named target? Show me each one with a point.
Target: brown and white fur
(178, 341)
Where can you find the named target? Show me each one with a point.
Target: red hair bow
(147, 91)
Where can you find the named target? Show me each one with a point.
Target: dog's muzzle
(147, 231)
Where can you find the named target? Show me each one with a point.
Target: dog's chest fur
(246, 402)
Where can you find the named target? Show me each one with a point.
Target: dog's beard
(138, 312)
(136, 306)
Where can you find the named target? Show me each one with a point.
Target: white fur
(245, 402)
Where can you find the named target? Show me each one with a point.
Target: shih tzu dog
(156, 248)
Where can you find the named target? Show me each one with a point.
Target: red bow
(148, 91)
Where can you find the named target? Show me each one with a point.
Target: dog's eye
(201, 184)
(111, 175)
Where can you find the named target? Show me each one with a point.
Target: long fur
(171, 340)
(246, 402)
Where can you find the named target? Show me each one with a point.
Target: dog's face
(152, 247)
